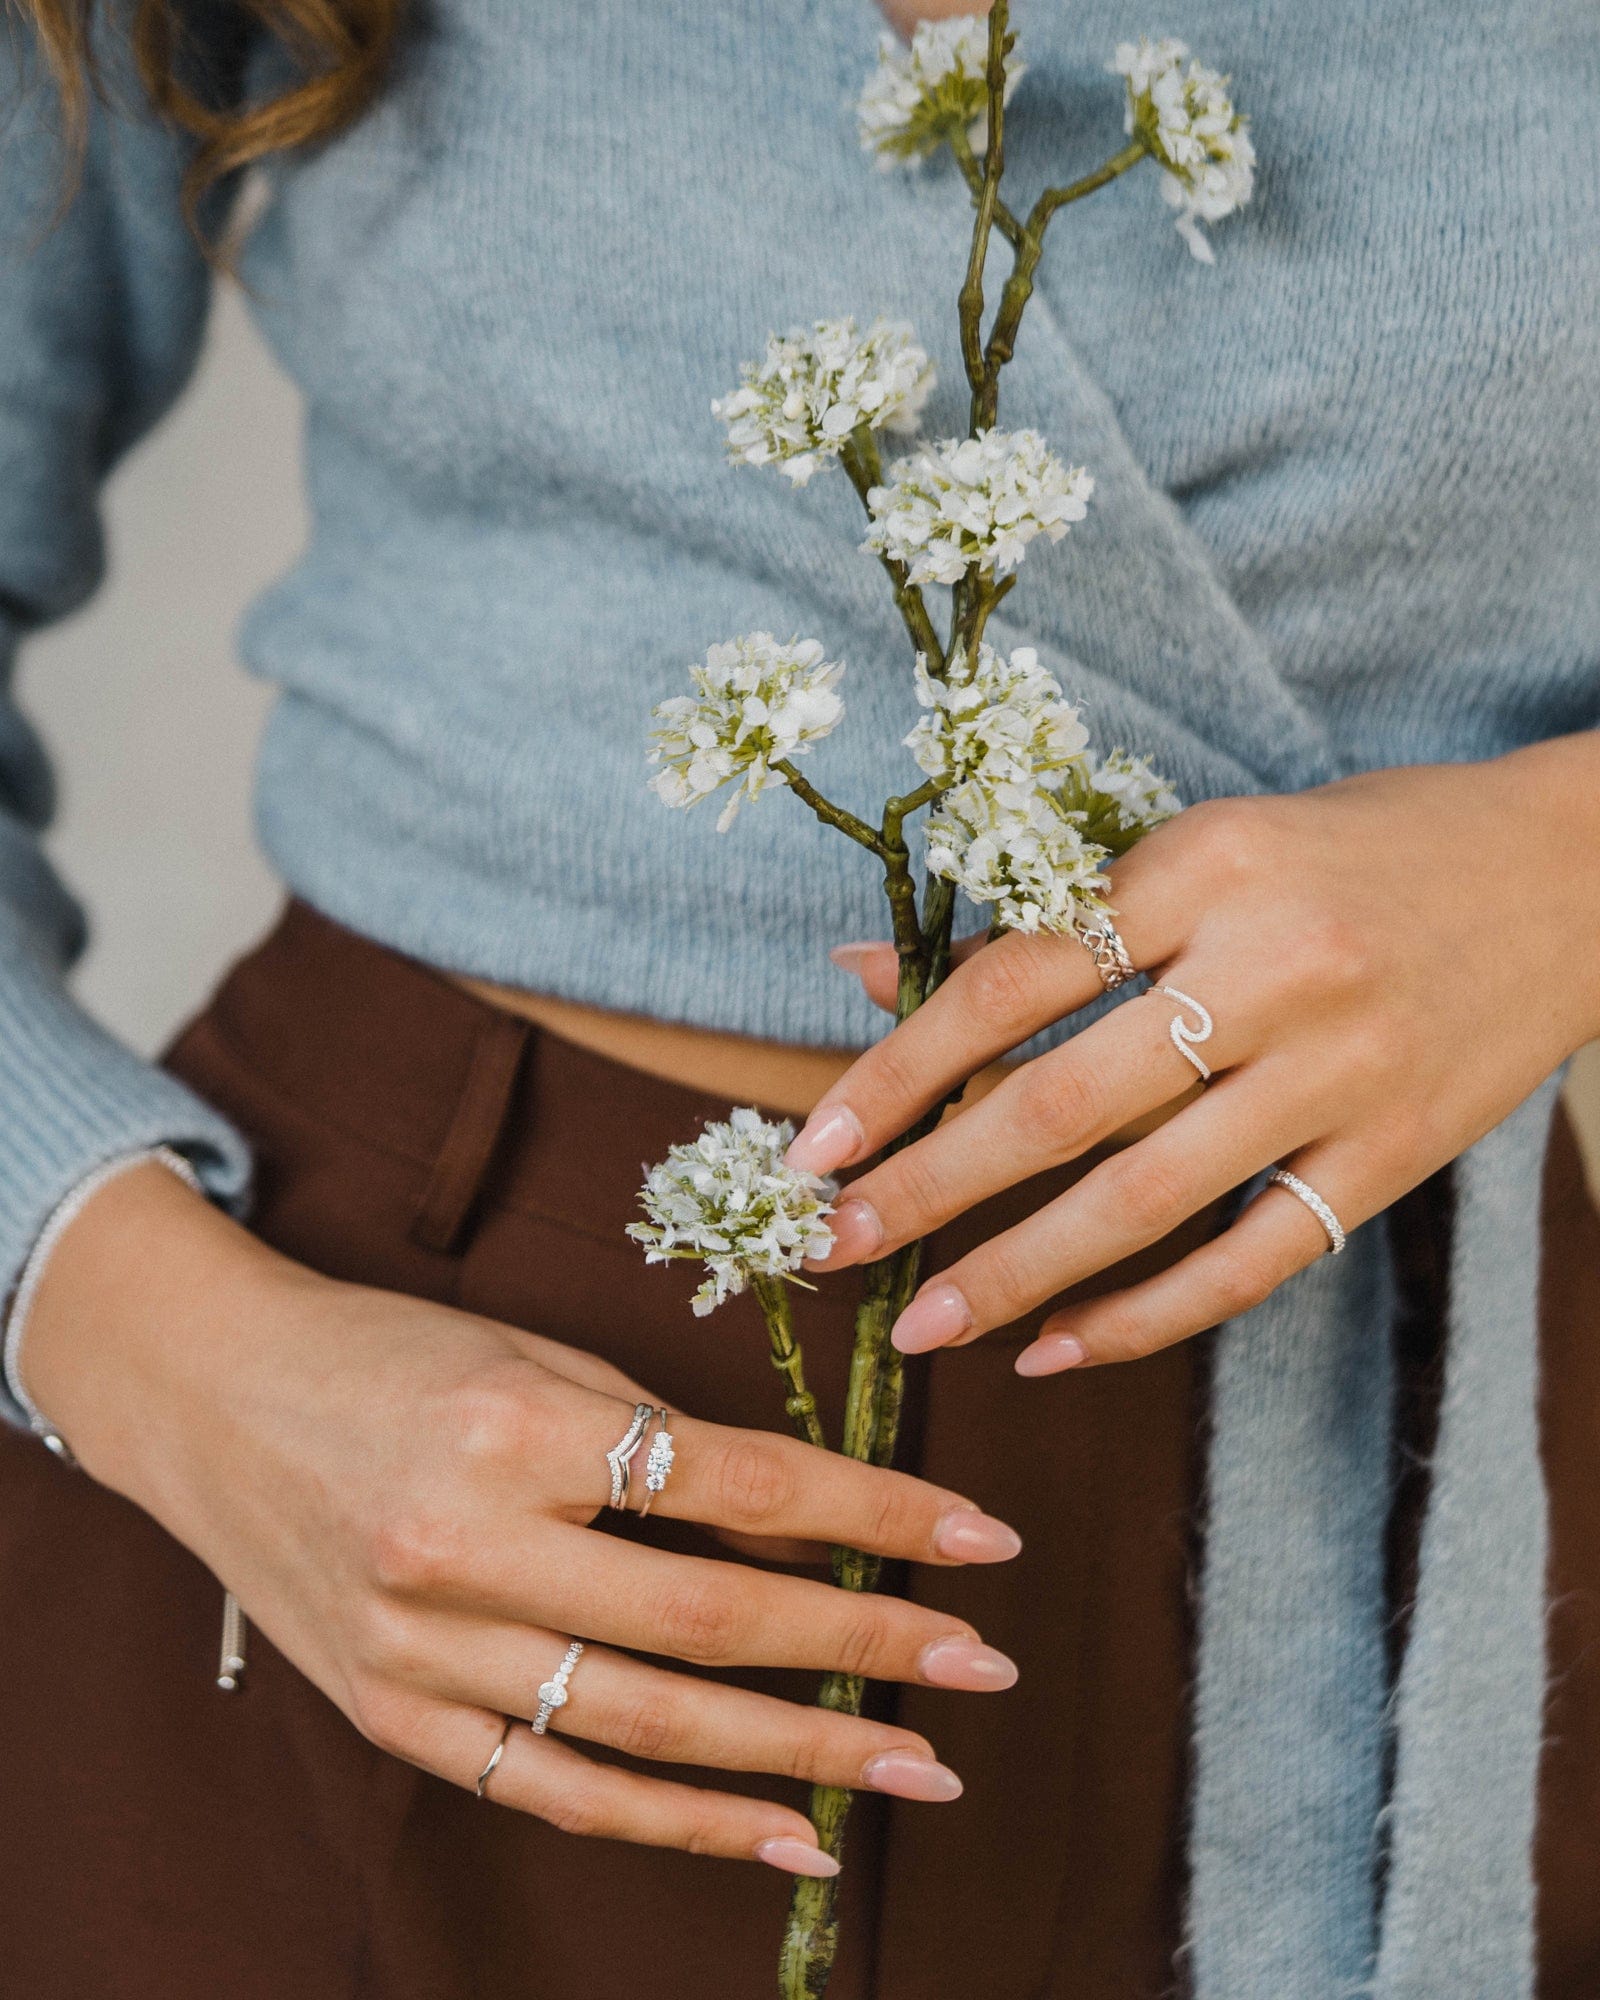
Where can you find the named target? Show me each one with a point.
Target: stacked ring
(553, 1692)
(620, 1456)
(1101, 939)
(1333, 1228)
(489, 1769)
(658, 1464)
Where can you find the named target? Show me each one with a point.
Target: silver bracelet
(62, 1217)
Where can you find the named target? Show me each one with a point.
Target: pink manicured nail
(1050, 1354)
(851, 957)
(936, 1315)
(905, 1774)
(966, 1663)
(796, 1857)
(857, 1235)
(968, 1536)
(830, 1139)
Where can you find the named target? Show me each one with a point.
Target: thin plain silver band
(1183, 1036)
(659, 1461)
(1303, 1191)
(621, 1453)
(562, 1674)
(1103, 942)
(489, 1769)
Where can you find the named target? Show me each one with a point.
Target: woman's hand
(402, 1495)
(1392, 964)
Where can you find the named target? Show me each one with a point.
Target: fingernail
(968, 1536)
(936, 1315)
(857, 1234)
(798, 1857)
(1050, 1354)
(851, 957)
(906, 1774)
(829, 1139)
(966, 1663)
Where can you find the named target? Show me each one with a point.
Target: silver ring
(658, 1464)
(1183, 1035)
(553, 1692)
(621, 1453)
(1281, 1177)
(489, 1769)
(1104, 945)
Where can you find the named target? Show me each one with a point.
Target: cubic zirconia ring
(489, 1769)
(658, 1464)
(1184, 1036)
(1302, 1191)
(553, 1692)
(621, 1453)
(1099, 937)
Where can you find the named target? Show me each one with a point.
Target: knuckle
(756, 1484)
(382, 1715)
(885, 1515)
(1002, 982)
(703, 1833)
(490, 1419)
(1064, 1098)
(699, 1621)
(1122, 1334)
(576, 1810)
(1244, 1279)
(1224, 837)
(1333, 952)
(1151, 1193)
(413, 1550)
(916, 1189)
(862, 1643)
(388, 1643)
(897, 1076)
(653, 1730)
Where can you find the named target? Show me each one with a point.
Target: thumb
(876, 964)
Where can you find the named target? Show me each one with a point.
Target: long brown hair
(337, 51)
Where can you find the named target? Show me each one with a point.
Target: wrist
(127, 1319)
(1548, 814)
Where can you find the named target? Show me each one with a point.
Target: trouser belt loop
(469, 1146)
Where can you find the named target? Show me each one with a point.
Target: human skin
(401, 1495)
(1393, 963)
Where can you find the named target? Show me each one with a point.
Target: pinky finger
(1276, 1236)
(553, 1782)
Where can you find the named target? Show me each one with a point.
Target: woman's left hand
(1392, 964)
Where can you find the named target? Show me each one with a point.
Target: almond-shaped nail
(829, 1139)
(968, 1536)
(907, 1774)
(796, 1857)
(966, 1663)
(935, 1316)
(851, 957)
(857, 1235)
(1050, 1354)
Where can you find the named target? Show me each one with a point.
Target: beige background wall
(154, 726)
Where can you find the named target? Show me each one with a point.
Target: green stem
(827, 811)
(772, 1294)
(972, 173)
(860, 460)
(970, 300)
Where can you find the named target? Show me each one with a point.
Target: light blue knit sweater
(1346, 516)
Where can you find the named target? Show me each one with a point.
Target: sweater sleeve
(102, 309)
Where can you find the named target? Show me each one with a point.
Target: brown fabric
(161, 1841)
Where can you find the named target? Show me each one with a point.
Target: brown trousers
(162, 1841)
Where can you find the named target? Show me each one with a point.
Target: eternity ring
(659, 1463)
(1183, 1035)
(553, 1692)
(1103, 944)
(1281, 1177)
(621, 1453)
(489, 1769)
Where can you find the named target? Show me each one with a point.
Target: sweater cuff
(72, 1099)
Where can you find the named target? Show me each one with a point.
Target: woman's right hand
(402, 1497)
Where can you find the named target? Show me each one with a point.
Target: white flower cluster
(1003, 721)
(728, 1199)
(756, 700)
(974, 503)
(1016, 847)
(796, 407)
(1187, 121)
(1139, 797)
(922, 92)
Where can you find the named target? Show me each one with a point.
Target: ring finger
(668, 1718)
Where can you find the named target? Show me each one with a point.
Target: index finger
(989, 1005)
(759, 1483)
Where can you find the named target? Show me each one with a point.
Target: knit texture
(1345, 516)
